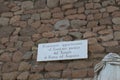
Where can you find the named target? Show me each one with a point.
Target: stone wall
(25, 23)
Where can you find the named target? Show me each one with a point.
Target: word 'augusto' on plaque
(63, 50)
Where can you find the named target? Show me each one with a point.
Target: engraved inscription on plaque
(63, 50)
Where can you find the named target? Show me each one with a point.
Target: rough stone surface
(35, 76)
(4, 21)
(3, 8)
(14, 19)
(23, 76)
(9, 66)
(106, 37)
(27, 55)
(45, 15)
(10, 76)
(52, 74)
(7, 14)
(78, 23)
(117, 35)
(5, 57)
(112, 8)
(50, 3)
(24, 66)
(17, 56)
(79, 73)
(62, 25)
(116, 20)
(35, 17)
(110, 43)
(96, 48)
(67, 1)
(89, 34)
(40, 4)
(28, 31)
(76, 35)
(27, 5)
(26, 23)
(113, 49)
(57, 66)
(5, 31)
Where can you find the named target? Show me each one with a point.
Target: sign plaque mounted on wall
(63, 50)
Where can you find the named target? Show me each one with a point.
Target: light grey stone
(40, 4)
(52, 3)
(116, 20)
(77, 35)
(27, 55)
(78, 23)
(67, 1)
(62, 24)
(35, 16)
(117, 35)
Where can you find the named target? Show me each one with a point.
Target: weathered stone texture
(61, 25)
(26, 23)
(57, 66)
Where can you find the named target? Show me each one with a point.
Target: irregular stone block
(117, 35)
(116, 20)
(52, 3)
(27, 5)
(4, 21)
(62, 25)
(78, 23)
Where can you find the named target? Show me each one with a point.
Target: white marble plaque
(63, 50)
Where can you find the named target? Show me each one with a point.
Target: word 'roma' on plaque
(63, 50)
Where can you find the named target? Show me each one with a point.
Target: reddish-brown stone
(96, 48)
(9, 66)
(67, 6)
(89, 34)
(38, 68)
(24, 66)
(53, 75)
(105, 31)
(110, 43)
(79, 64)
(35, 76)
(67, 38)
(92, 24)
(79, 73)
(57, 66)
(58, 15)
(28, 44)
(23, 76)
(89, 6)
(71, 11)
(17, 56)
(98, 28)
(36, 37)
(81, 10)
(116, 14)
(106, 37)
(9, 76)
(92, 41)
(97, 16)
(54, 40)
(112, 8)
(67, 73)
(5, 57)
(90, 72)
(45, 28)
(48, 34)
